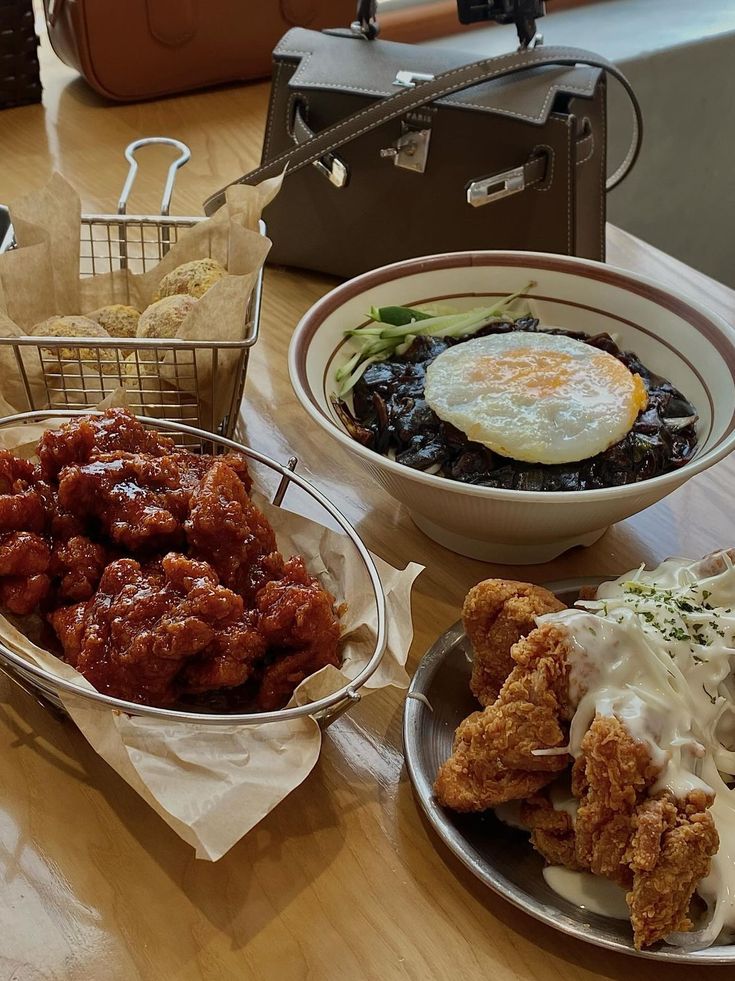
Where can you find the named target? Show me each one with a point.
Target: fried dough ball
(496, 614)
(193, 278)
(94, 358)
(117, 319)
(164, 317)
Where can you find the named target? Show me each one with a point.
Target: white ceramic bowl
(694, 349)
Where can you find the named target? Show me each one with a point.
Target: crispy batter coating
(552, 832)
(669, 852)
(493, 759)
(611, 777)
(142, 626)
(231, 533)
(496, 614)
(299, 622)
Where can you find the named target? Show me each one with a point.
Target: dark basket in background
(20, 80)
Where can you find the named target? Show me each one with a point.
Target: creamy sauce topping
(656, 650)
(588, 891)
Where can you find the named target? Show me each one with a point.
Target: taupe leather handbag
(395, 150)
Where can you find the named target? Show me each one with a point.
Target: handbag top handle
(455, 80)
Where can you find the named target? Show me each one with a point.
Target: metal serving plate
(501, 856)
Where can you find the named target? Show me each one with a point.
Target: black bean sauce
(391, 414)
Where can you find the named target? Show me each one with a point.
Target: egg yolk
(545, 373)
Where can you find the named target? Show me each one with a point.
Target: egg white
(535, 397)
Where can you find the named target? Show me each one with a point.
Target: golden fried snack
(493, 759)
(165, 317)
(117, 319)
(671, 847)
(552, 832)
(496, 614)
(75, 326)
(192, 278)
(611, 777)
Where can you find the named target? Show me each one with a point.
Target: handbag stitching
(548, 182)
(603, 175)
(406, 108)
(553, 90)
(269, 128)
(566, 123)
(579, 163)
(291, 114)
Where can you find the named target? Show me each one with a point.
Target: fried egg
(536, 397)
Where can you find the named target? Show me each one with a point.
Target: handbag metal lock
(411, 149)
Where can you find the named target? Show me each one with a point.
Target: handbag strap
(329, 140)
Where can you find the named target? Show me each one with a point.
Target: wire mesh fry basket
(170, 379)
(47, 688)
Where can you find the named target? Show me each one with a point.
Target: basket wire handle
(168, 188)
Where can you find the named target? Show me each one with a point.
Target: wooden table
(343, 880)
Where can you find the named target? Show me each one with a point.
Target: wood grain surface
(343, 880)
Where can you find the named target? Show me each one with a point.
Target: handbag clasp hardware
(333, 169)
(407, 80)
(481, 192)
(411, 149)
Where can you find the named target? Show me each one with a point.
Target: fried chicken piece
(226, 529)
(552, 831)
(22, 594)
(23, 553)
(611, 778)
(496, 614)
(77, 564)
(493, 759)
(24, 560)
(669, 852)
(229, 660)
(125, 496)
(77, 441)
(143, 626)
(22, 501)
(301, 628)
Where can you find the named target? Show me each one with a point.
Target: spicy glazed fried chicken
(496, 614)
(297, 618)
(143, 626)
(494, 759)
(226, 529)
(77, 441)
(151, 563)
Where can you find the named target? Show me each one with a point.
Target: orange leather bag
(143, 49)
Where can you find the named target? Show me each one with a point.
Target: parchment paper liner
(41, 279)
(213, 784)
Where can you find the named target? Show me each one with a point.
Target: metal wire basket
(78, 372)
(46, 688)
